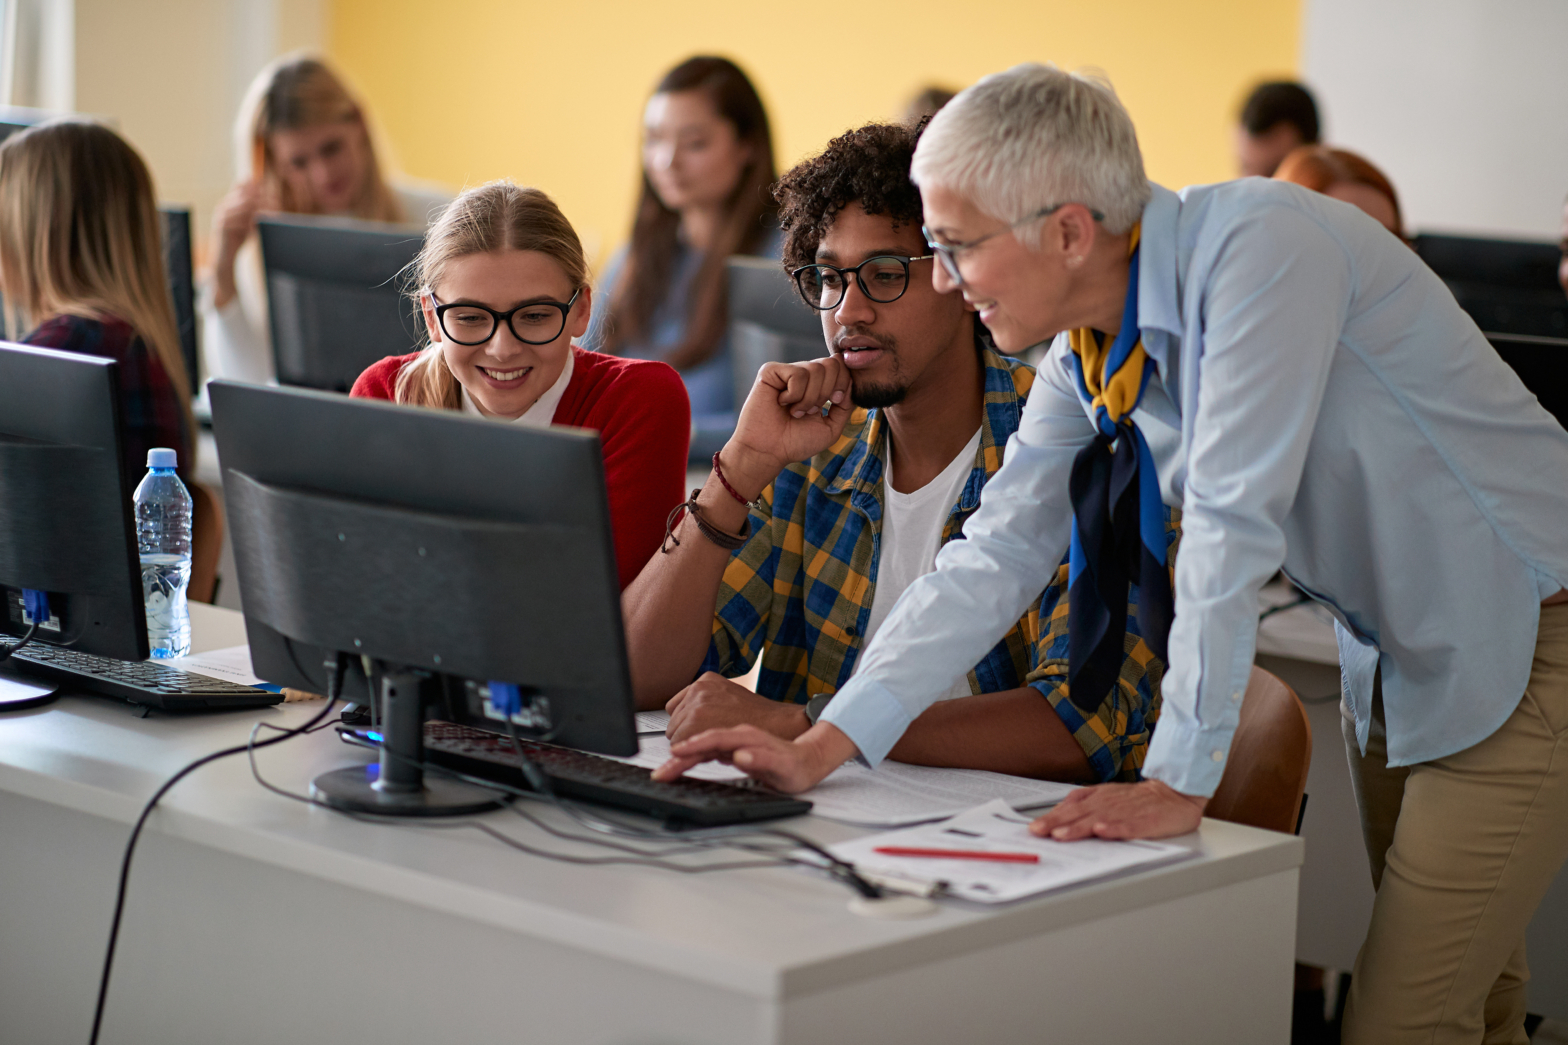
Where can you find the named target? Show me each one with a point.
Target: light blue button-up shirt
(1321, 405)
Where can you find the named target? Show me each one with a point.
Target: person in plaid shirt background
(913, 385)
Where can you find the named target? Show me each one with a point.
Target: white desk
(1336, 884)
(252, 918)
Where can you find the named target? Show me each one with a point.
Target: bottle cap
(161, 457)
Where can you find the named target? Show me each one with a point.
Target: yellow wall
(551, 94)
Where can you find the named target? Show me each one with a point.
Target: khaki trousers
(1462, 850)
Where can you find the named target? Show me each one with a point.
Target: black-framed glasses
(882, 278)
(533, 323)
(947, 253)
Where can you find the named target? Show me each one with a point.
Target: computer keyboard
(578, 774)
(138, 681)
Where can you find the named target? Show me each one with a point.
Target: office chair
(1266, 779)
(206, 543)
(768, 321)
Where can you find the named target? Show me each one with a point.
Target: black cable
(6, 655)
(837, 868)
(334, 686)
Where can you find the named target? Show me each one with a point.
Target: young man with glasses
(844, 478)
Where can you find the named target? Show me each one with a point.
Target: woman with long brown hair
(503, 286)
(81, 266)
(303, 146)
(707, 161)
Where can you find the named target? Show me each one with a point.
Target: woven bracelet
(728, 541)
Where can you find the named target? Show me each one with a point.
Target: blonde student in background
(303, 146)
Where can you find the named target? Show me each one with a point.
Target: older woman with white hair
(1286, 371)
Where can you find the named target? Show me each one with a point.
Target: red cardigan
(643, 417)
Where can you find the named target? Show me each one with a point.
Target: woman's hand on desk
(1147, 809)
(789, 766)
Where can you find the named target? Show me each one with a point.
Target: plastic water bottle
(163, 538)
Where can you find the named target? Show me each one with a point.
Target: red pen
(959, 854)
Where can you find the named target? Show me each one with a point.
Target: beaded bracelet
(728, 541)
(755, 506)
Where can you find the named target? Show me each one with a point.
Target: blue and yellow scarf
(1118, 519)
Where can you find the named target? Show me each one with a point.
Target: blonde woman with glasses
(81, 266)
(504, 290)
(304, 147)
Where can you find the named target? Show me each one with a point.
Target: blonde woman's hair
(1035, 137)
(80, 235)
(494, 217)
(295, 93)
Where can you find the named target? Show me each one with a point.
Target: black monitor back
(1507, 286)
(65, 508)
(1542, 364)
(768, 321)
(334, 297)
(472, 550)
(177, 262)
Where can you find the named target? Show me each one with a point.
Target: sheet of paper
(998, 827)
(890, 795)
(230, 665)
(653, 721)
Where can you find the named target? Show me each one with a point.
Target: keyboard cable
(336, 666)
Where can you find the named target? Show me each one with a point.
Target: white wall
(171, 74)
(1463, 103)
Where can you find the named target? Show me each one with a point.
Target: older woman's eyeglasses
(947, 253)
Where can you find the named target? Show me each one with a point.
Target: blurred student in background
(303, 147)
(81, 264)
(1276, 118)
(707, 161)
(1343, 175)
(503, 286)
(926, 102)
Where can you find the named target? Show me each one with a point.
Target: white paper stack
(997, 827)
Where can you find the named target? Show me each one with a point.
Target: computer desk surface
(250, 917)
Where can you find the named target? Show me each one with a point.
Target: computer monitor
(453, 552)
(334, 297)
(768, 321)
(1507, 286)
(177, 262)
(14, 118)
(65, 508)
(1542, 364)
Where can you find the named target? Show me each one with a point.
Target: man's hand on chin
(1147, 809)
(714, 702)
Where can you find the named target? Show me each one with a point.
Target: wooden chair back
(1267, 774)
(206, 543)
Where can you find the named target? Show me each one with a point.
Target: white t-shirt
(542, 413)
(912, 535)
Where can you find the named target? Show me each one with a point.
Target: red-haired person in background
(1342, 175)
(504, 289)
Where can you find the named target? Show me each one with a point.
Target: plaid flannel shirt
(798, 594)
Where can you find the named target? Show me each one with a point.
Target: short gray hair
(1033, 137)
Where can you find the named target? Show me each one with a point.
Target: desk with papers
(253, 918)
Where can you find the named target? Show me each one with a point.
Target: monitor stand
(19, 692)
(396, 786)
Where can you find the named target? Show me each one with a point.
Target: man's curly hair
(869, 164)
